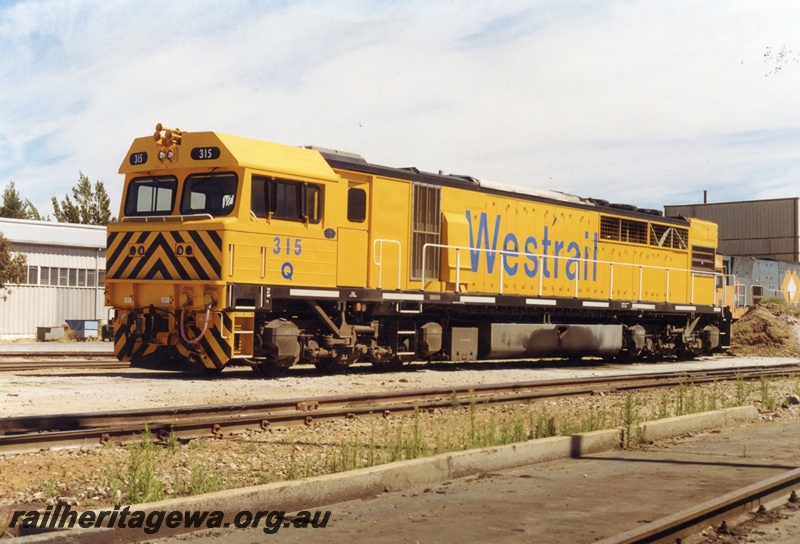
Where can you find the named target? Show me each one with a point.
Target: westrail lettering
(543, 252)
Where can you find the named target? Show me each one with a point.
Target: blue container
(83, 328)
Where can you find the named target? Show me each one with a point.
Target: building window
(32, 278)
(64, 277)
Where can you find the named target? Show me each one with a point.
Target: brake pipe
(182, 326)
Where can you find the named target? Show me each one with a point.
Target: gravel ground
(101, 476)
(58, 391)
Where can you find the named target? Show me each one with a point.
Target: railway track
(717, 512)
(76, 361)
(32, 433)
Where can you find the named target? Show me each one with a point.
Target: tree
(15, 208)
(91, 206)
(13, 266)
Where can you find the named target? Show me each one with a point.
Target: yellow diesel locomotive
(235, 250)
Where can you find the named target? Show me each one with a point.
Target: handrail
(379, 242)
(583, 262)
(164, 218)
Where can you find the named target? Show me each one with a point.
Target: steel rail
(52, 354)
(7, 366)
(31, 433)
(691, 521)
(535, 389)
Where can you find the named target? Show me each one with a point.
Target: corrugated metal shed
(753, 228)
(53, 234)
(66, 268)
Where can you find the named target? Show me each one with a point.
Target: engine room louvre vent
(666, 236)
(426, 229)
(623, 230)
(703, 258)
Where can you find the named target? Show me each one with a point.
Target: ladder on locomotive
(404, 337)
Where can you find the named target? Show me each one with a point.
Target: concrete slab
(576, 500)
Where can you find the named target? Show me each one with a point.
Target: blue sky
(641, 102)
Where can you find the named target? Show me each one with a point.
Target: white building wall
(66, 266)
(29, 307)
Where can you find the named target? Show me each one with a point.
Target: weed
(594, 421)
(545, 425)
(631, 418)
(454, 402)
(691, 400)
(663, 406)
(202, 479)
(199, 443)
(293, 472)
(50, 488)
(143, 484)
(767, 400)
(742, 390)
(172, 440)
(680, 398)
(715, 396)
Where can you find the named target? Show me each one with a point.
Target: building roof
(24, 231)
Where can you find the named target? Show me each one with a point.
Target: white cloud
(641, 102)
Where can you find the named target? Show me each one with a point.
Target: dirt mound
(767, 330)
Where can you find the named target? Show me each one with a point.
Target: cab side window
(356, 205)
(286, 199)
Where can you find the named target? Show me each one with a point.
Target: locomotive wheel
(268, 370)
(328, 365)
(684, 355)
(623, 357)
(395, 365)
